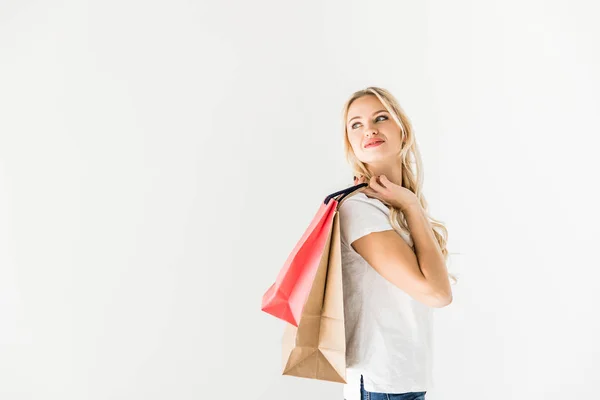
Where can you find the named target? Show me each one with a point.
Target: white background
(159, 161)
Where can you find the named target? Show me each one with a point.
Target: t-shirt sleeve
(360, 215)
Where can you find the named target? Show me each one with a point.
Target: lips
(373, 143)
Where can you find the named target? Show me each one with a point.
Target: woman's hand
(385, 190)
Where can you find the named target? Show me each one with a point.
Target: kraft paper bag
(316, 348)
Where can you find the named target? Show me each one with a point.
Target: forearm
(428, 252)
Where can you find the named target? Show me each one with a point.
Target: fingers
(359, 180)
(376, 185)
(367, 190)
(373, 182)
(384, 180)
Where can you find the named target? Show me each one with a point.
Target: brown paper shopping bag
(316, 349)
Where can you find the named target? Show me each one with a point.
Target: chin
(376, 158)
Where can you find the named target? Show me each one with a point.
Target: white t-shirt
(388, 333)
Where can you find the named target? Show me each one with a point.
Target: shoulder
(360, 215)
(361, 202)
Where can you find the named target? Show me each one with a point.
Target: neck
(392, 172)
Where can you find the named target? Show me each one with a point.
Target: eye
(379, 116)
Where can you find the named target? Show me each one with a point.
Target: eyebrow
(358, 116)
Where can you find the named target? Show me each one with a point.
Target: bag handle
(345, 192)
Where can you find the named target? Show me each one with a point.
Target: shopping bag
(286, 298)
(316, 348)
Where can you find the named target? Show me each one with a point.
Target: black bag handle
(345, 192)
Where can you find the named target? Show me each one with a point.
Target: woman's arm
(420, 273)
(395, 261)
(429, 256)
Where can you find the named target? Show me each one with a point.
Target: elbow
(442, 300)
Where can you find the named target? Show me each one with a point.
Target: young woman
(393, 257)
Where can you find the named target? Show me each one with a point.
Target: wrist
(412, 207)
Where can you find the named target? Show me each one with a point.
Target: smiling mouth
(374, 144)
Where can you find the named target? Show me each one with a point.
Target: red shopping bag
(285, 299)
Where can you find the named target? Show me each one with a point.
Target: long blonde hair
(409, 158)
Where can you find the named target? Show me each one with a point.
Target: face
(368, 121)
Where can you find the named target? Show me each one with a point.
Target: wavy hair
(409, 158)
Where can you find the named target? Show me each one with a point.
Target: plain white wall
(159, 160)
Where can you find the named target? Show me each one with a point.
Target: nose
(370, 128)
(370, 132)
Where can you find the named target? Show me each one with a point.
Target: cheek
(354, 141)
(356, 146)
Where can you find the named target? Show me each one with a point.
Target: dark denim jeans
(364, 395)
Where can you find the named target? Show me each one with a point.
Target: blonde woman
(393, 255)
